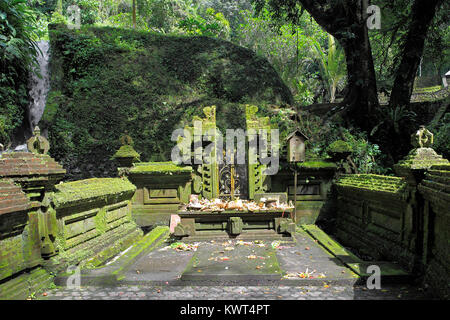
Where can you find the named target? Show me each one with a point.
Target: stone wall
(375, 216)
(161, 188)
(313, 184)
(46, 227)
(25, 179)
(435, 189)
(404, 219)
(89, 221)
(19, 240)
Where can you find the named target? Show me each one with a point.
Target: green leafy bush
(339, 150)
(213, 25)
(442, 137)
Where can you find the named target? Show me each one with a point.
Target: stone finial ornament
(126, 155)
(210, 113)
(126, 140)
(422, 138)
(37, 143)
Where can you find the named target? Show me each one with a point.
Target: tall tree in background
(423, 12)
(346, 21)
(134, 14)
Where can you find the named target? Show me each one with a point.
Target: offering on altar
(217, 205)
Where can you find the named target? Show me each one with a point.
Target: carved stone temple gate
(162, 187)
(232, 180)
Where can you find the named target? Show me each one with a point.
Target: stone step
(389, 271)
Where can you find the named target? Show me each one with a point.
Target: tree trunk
(346, 21)
(361, 100)
(423, 12)
(134, 14)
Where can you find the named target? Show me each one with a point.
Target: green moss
(126, 151)
(71, 193)
(427, 89)
(51, 107)
(160, 168)
(107, 80)
(373, 182)
(317, 164)
(420, 158)
(100, 221)
(339, 146)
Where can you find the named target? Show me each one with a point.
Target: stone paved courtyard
(165, 273)
(238, 293)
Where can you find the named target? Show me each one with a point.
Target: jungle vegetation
(322, 50)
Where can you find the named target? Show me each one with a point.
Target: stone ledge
(77, 192)
(158, 168)
(12, 198)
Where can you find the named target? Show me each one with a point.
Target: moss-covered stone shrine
(48, 226)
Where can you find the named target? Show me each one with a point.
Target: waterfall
(39, 86)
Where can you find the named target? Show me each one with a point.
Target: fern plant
(331, 63)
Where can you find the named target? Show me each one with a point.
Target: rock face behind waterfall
(105, 81)
(39, 86)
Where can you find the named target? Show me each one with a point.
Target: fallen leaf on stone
(258, 267)
(276, 244)
(306, 248)
(229, 248)
(242, 243)
(138, 272)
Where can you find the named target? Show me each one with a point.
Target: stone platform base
(25, 285)
(195, 226)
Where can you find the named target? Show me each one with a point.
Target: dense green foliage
(17, 53)
(442, 136)
(298, 53)
(387, 43)
(106, 81)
